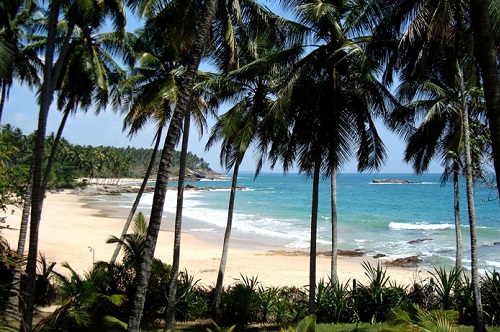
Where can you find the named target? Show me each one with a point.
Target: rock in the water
(410, 261)
(419, 241)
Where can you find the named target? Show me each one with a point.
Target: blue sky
(105, 129)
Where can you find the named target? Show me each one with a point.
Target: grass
(361, 327)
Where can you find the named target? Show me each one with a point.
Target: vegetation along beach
(249, 164)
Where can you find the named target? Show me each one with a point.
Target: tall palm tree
(75, 16)
(333, 97)
(164, 169)
(430, 49)
(487, 57)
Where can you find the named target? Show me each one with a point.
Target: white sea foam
(493, 263)
(419, 226)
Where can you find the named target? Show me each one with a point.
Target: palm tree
(249, 88)
(420, 52)
(487, 57)
(75, 15)
(164, 169)
(332, 96)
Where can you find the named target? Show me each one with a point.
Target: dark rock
(417, 241)
(394, 181)
(379, 256)
(410, 261)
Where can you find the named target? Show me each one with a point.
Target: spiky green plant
(490, 291)
(333, 302)
(445, 286)
(307, 324)
(417, 319)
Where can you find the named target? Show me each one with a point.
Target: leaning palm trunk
(2, 97)
(458, 230)
(53, 149)
(164, 169)
(138, 197)
(227, 235)
(335, 245)
(485, 51)
(50, 76)
(479, 325)
(172, 289)
(314, 230)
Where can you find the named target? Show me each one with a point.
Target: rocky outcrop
(394, 181)
(410, 261)
(417, 241)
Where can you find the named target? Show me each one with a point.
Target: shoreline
(75, 229)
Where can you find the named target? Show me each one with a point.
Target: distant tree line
(75, 161)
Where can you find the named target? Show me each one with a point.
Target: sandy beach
(72, 231)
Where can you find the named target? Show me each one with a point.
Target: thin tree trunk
(335, 245)
(479, 325)
(138, 197)
(456, 204)
(227, 235)
(53, 149)
(172, 289)
(2, 97)
(484, 46)
(314, 230)
(13, 313)
(164, 169)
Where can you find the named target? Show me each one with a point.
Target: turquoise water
(376, 218)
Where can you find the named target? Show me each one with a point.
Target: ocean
(398, 220)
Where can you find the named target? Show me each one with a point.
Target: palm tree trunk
(164, 169)
(2, 97)
(138, 197)
(21, 244)
(172, 289)
(335, 245)
(37, 195)
(314, 230)
(53, 149)
(227, 236)
(479, 325)
(456, 204)
(486, 55)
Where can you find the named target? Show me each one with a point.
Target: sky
(21, 110)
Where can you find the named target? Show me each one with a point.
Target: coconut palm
(486, 51)
(249, 87)
(333, 97)
(237, 128)
(164, 169)
(430, 49)
(75, 16)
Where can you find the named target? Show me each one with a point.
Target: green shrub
(240, 303)
(490, 295)
(333, 302)
(373, 303)
(192, 299)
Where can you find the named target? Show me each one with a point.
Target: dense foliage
(72, 161)
(101, 297)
